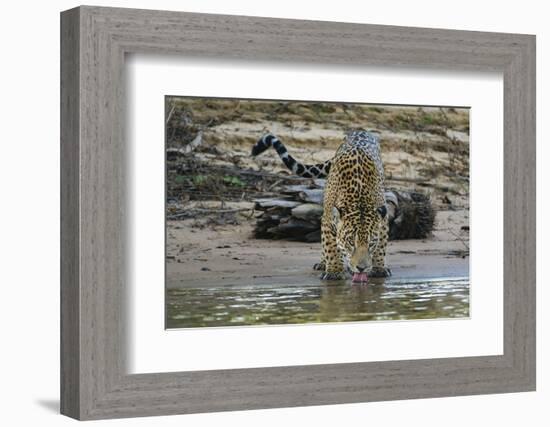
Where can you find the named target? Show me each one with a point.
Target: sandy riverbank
(227, 255)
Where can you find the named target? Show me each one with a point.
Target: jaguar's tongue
(359, 277)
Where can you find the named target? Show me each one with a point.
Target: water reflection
(276, 305)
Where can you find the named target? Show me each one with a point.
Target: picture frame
(94, 380)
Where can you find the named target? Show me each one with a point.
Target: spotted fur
(354, 225)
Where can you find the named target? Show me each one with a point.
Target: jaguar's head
(356, 236)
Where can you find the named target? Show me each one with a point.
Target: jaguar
(354, 224)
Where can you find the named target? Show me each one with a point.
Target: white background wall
(29, 212)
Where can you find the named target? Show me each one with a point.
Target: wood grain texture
(70, 292)
(95, 383)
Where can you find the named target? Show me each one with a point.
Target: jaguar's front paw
(339, 275)
(320, 266)
(379, 272)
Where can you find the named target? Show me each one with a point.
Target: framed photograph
(262, 213)
(247, 244)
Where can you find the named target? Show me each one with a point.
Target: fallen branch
(170, 114)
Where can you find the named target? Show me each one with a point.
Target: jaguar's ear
(382, 210)
(335, 215)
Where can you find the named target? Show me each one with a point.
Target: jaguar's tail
(320, 170)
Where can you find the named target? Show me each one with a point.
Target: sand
(229, 255)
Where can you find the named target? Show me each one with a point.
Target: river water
(317, 303)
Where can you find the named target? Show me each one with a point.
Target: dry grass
(425, 145)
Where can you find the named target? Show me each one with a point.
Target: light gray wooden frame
(94, 382)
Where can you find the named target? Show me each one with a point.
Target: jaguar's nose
(360, 269)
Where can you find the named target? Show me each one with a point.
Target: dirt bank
(213, 255)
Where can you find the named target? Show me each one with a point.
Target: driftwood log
(296, 214)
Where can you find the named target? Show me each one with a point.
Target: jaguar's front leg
(379, 268)
(320, 266)
(334, 267)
